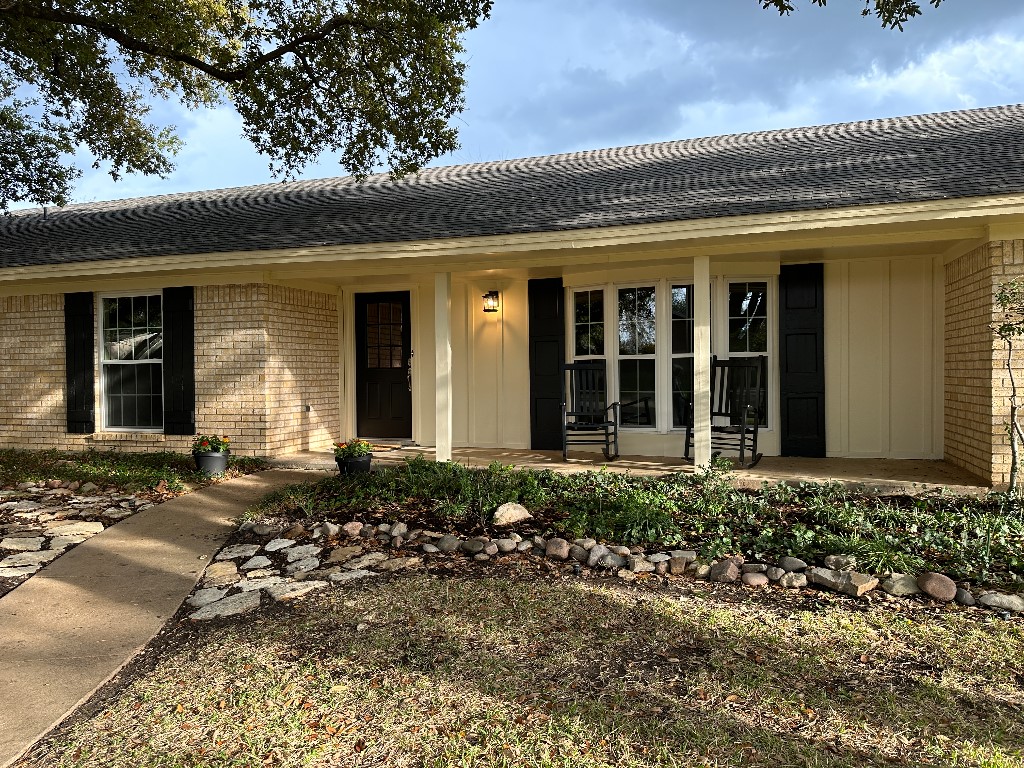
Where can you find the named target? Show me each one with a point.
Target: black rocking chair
(587, 417)
(736, 392)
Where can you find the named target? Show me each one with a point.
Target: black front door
(383, 351)
(802, 359)
(547, 352)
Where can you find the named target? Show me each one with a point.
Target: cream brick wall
(262, 353)
(977, 387)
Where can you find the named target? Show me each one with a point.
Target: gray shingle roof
(924, 157)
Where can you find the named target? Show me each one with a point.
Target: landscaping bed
(52, 501)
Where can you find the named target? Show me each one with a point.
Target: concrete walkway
(72, 626)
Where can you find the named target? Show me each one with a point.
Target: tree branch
(138, 45)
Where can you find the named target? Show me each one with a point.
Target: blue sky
(548, 77)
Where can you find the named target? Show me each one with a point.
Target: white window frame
(659, 347)
(720, 335)
(101, 362)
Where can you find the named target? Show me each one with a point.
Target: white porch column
(443, 365)
(702, 361)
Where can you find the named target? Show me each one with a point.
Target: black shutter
(179, 362)
(802, 359)
(79, 352)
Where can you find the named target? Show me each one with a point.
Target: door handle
(408, 371)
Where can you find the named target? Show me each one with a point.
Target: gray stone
(228, 606)
(587, 544)
(344, 554)
(792, 580)
(16, 572)
(825, 577)
(481, 557)
(472, 546)
(237, 551)
(399, 529)
(611, 560)
(677, 565)
(524, 546)
(578, 553)
(684, 554)
(792, 564)
(27, 506)
(63, 542)
(275, 544)
(301, 553)
(384, 528)
(397, 542)
(511, 513)
(937, 586)
(23, 544)
(37, 559)
(724, 571)
(595, 554)
(75, 528)
(449, 543)
(841, 562)
(964, 597)
(490, 549)
(341, 578)
(265, 529)
(701, 570)
(505, 545)
(282, 592)
(557, 549)
(639, 564)
(352, 529)
(261, 573)
(429, 549)
(900, 585)
(399, 563)
(327, 529)
(1014, 603)
(220, 573)
(515, 537)
(367, 531)
(309, 564)
(370, 558)
(248, 585)
(659, 557)
(754, 568)
(857, 584)
(206, 596)
(621, 551)
(775, 573)
(539, 542)
(253, 563)
(754, 579)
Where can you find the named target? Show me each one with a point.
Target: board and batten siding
(884, 358)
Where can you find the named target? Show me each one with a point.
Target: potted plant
(211, 453)
(353, 456)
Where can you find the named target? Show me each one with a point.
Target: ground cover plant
(436, 671)
(981, 539)
(172, 472)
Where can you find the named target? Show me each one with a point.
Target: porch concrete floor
(888, 476)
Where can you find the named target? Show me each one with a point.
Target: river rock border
(287, 564)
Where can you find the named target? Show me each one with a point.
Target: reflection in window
(748, 317)
(637, 385)
(384, 334)
(131, 360)
(588, 323)
(682, 355)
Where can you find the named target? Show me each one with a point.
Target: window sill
(125, 437)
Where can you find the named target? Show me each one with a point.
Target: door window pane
(384, 335)
(682, 391)
(588, 323)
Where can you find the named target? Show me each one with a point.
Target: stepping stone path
(277, 565)
(40, 521)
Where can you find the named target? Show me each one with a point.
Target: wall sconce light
(491, 302)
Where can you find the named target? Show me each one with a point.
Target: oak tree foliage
(374, 81)
(893, 14)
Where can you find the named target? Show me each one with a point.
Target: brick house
(859, 258)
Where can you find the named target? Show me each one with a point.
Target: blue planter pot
(211, 463)
(351, 465)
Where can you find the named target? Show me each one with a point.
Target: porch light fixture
(491, 302)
